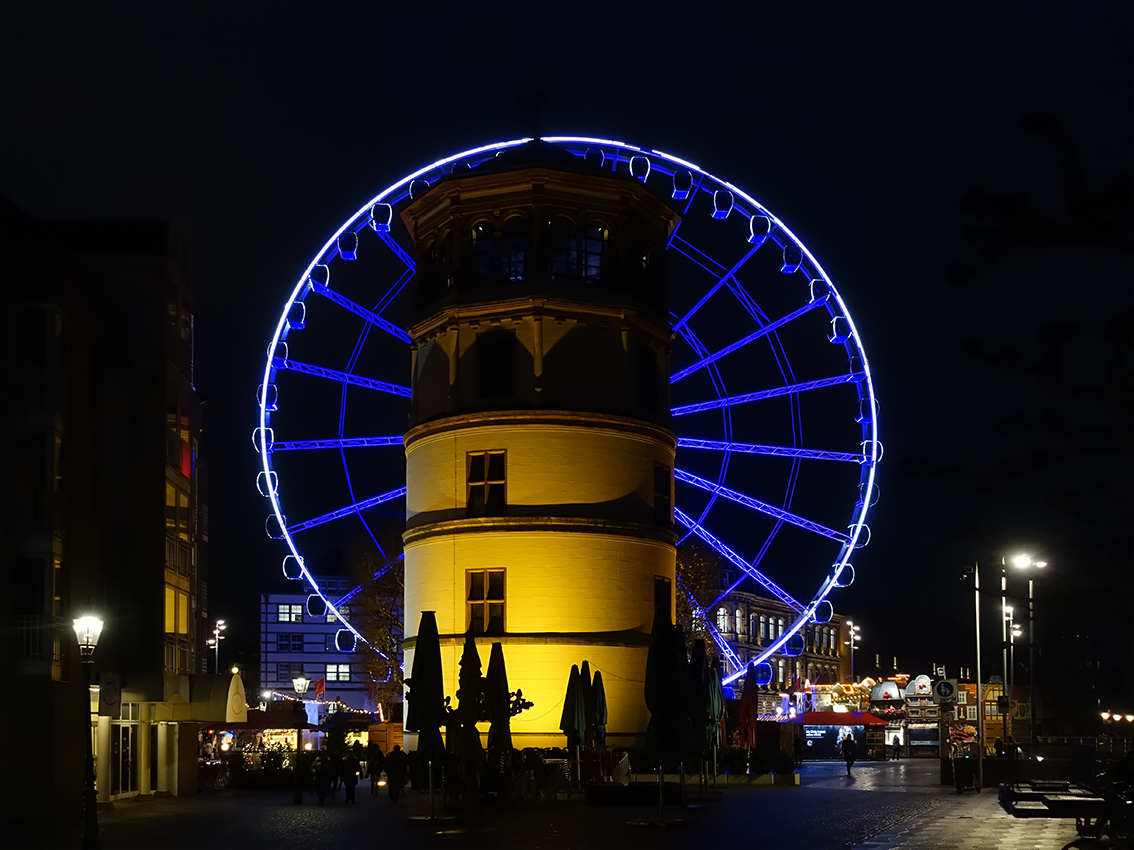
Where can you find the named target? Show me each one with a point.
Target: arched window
(781, 634)
(763, 628)
(739, 621)
(576, 253)
(722, 620)
(512, 252)
(798, 671)
(780, 668)
(811, 672)
(483, 249)
(753, 628)
(595, 237)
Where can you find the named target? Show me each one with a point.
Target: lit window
(739, 621)
(594, 241)
(486, 494)
(290, 614)
(780, 668)
(344, 610)
(338, 672)
(753, 628)
(763, 628)
(722, 620)
(781, 634)
(486, 602)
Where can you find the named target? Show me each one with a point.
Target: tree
(377, 613)
(698, 585)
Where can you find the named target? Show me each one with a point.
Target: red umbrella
(749, 708)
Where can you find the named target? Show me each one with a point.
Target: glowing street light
(88, 628)
(855, 636)
(1024, 561)
(300, 683)
(214, 643)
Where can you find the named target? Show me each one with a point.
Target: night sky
(962, 171)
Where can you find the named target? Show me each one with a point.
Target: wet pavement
(882, 806)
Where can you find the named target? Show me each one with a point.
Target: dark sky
(963, 172)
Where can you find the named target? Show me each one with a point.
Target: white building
(298, 637)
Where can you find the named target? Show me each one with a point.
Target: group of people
(330, 769)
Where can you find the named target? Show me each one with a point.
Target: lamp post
(979, 686)
(300, 684)
(1024, 562)
(855, 636)
(214, 643)
(87, 631)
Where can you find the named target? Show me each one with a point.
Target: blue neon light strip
(345, 443)
(398, 251)
(755, 335)
(347, 511)
(775, 451)
(757, 505)
(713, 289)
(851, 378)
(342, 377)
(374, 319)
(762, 579)
(717, 637)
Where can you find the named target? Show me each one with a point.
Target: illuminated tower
(539, 457)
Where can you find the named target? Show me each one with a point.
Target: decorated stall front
(822, 731)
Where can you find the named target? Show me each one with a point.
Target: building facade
(539, 457)
(103, 490)
(299, 636)
(749, 622)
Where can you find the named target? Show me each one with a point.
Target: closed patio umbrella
(426, 710)
(573, 722)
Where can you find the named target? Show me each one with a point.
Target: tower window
(512, 249)
(663, 494)
(495, 364)
(484, 249)
(593, 244)
(486, 490)
(486, 602)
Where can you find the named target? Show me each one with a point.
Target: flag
(320, 688)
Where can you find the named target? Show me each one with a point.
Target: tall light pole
(979, 687)
(855, 636)
(87, 631)
(1014, 631)
(214, 643)
(300, 683)
(1024, 562)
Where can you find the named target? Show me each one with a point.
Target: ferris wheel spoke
(370, 316)
(752, 337)
(760, 578)
(345, 443)
(757, 505)
(342, 377)
(790, 389)
(686, 249)
(773, 451)
(714, 633)
(349, 510)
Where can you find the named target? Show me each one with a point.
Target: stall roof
(840, 718)
(260, 720)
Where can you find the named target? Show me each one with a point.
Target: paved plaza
(883, 806)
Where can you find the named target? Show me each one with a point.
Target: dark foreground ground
(883, 805)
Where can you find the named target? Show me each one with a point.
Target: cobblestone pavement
(882, 806)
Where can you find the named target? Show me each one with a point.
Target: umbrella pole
(661, 794)
(431, 789)
(714, 764)
(578, 767)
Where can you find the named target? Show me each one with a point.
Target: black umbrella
(697, 699)
(715, 708)
(665, 676)
(425, 713)
(574, 719)
(496, 702)
(470, 693)
(588, 704)
(598, 691)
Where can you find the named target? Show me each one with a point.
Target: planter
(786, 778)
(763, 779)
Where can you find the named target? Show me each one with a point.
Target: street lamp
(214, 643)
(1024, 561)
(300, 683)
(855, 636)
(87, 631)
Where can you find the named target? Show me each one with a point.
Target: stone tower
(539, 458)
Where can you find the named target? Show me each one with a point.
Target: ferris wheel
(772, 396)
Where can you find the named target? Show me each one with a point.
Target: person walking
(397, 765)
(799, 751)
(849, 749)
(321, 771)
(374, 764)
(349, 769)
(897, 748)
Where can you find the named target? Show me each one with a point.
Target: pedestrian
(397, 764)
(336, 767)
(799, 751)
(897, 748)
(849, 749)
(374, 762)
(349, 768)
(998, 748)
(321, 771)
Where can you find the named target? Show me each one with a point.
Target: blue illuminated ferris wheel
(772, 396)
